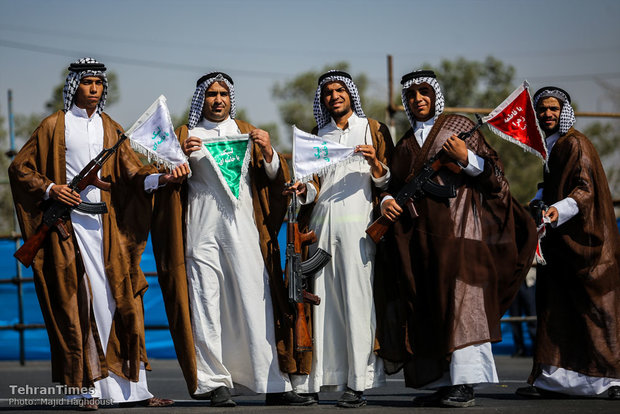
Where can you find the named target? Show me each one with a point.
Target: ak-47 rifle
(421, 185)
(298, 272)
(57, 212)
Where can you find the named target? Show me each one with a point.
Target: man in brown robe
(90, 286)
(577, 350)
(218, 258)
(463, 258)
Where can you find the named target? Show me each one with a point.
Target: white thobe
(84, 141)
(344, 323)
(230, 300)
(553, 378)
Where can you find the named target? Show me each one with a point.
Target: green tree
(270, 127)
(606, 140)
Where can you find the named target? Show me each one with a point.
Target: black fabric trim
(418, 74)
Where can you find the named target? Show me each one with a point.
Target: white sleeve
(47, 191)
(271, 168)
(383, 181)
(475, 164)
(567, 209)
(151, 183)
(311, 193)
(386, 198)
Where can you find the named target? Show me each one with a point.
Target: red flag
(515, 120)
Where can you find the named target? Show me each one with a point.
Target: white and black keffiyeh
(198, 100)
(416, 78)
(321, 114)
(567, 114)
(79, 69)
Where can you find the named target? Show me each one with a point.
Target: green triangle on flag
(229, 156)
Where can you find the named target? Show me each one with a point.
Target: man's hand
(177, 175)
(552, 214)
(64, 194)
(369, 152)
(298, 188)
(190, 145)
(456, 149)
(262, 139)
(391, 209)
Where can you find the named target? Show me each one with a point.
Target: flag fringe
(152, 156)
(324, 170)
(523, 146)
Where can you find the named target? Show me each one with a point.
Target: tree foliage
(606, 139)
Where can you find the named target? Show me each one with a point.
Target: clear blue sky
(162, 47)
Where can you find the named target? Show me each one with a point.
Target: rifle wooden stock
(301, 333)
(378, 228)
(303, 339)
(26, 253)
(311, 298)
(92, 179)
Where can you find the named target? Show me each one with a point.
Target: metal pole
(18, 267)
(389, 118)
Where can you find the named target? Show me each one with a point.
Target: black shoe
(351, 399)
(314, 395)
(220, 397)
(613, 393)
(459, 396)
(431, 400)
(288, 398)
(535, 392)
(528, 392)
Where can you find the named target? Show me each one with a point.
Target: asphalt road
(167, 381)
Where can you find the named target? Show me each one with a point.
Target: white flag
(153, 135)
(315, 155)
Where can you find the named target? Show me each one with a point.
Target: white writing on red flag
(315, 155)
(515, 120)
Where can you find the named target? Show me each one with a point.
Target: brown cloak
(77, 357)
(462, 260)
(169, 248)
(578, 291)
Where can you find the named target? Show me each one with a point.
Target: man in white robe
(344, 323)
(84, 131)
(230, 298)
